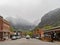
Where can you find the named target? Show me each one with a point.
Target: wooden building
(46, 34)
(4, 29)
(55, 31)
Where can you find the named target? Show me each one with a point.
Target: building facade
(38, 32)
(4, 29)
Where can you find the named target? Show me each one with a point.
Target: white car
(18, 37)
(13, 37)
(37, 37)
(27, 37)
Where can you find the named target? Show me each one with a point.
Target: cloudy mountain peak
(20, 23)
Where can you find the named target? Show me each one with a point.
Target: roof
(5, 21)
(53, 29)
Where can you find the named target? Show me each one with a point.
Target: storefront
(52, 34)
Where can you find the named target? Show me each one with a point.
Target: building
(46, 34)
(38, 32)
(4, 29)
(55, 31)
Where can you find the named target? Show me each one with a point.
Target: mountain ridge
(51, 18)
(20, 24)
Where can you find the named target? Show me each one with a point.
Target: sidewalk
(58, 42)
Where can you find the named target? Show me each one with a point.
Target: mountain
(36, 22)
(20, 24)
(51, 18)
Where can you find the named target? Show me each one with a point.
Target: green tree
(29, 33)
(47, 27)
(11, 29)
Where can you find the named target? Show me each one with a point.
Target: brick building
(38, 32)
(4, 28)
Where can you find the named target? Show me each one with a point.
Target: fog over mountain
(19, 23)
(37, 22)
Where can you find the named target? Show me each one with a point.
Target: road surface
(24, 41)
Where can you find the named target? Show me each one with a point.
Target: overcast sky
(31, 10)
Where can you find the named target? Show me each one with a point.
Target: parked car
(18, 37)
(37, 37)
(27, 37)
(13, 37)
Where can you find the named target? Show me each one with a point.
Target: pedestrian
(52, 36)
(55, 36)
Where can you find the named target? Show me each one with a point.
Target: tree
(29, 33)
(47, 27)
(11, 29)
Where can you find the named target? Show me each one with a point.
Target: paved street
(24, 41)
